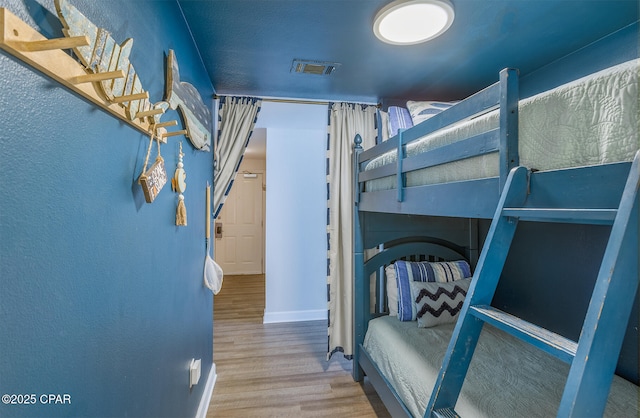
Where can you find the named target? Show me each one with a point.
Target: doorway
(239, 229)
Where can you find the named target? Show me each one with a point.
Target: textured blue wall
(615, 48)
(101, 295)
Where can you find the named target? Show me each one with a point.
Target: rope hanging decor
(179, 185)
(153, 180)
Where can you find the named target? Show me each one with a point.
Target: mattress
(507, 377)
(590, 121)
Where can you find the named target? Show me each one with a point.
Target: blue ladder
(594, 357)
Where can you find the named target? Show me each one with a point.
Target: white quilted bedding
(507, 378)
(590, 121)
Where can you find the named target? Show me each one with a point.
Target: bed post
(359, 310)
(474, 242)
(509, 95)
(399, 160)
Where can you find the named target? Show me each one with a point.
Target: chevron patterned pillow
(438, 303)
(423, 271)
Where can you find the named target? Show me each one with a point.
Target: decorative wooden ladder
(594, 357)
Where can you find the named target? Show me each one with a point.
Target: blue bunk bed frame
(457, 202)
(388, 216)
(470, 199)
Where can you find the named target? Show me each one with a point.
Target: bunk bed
(469, 162)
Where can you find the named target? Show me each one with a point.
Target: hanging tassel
(181, 212)
(179, 185)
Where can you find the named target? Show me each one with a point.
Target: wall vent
(313, 67)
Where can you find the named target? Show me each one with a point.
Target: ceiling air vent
(313, 67)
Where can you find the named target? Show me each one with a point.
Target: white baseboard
(206, 394)
(294, 316)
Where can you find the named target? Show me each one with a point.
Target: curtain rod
(296, 101)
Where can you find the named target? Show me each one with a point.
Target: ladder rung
(547, 341)
(445, 413)
(581, 216)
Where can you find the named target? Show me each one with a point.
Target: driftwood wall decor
(184, 97)
(104, 75)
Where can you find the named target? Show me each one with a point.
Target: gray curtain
(345, 121)
(237, 117)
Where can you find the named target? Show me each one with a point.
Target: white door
(238, 229)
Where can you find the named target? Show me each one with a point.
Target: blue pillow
(424, 271)
(399, 118)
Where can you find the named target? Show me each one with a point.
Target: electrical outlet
(194, 372)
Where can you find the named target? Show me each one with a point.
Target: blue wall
(101, 295)
(615, 48)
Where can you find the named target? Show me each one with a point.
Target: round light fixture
(409, 22)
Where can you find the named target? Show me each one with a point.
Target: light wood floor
(278, 370)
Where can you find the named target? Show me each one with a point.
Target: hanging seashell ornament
(179, 185)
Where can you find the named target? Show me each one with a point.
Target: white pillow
(421, 111)
(384, 121)
(392, 290)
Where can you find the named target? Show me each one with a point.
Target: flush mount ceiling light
(409, 22)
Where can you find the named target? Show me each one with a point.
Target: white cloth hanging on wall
(345, 121)
(236, 118)
(213, 274)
